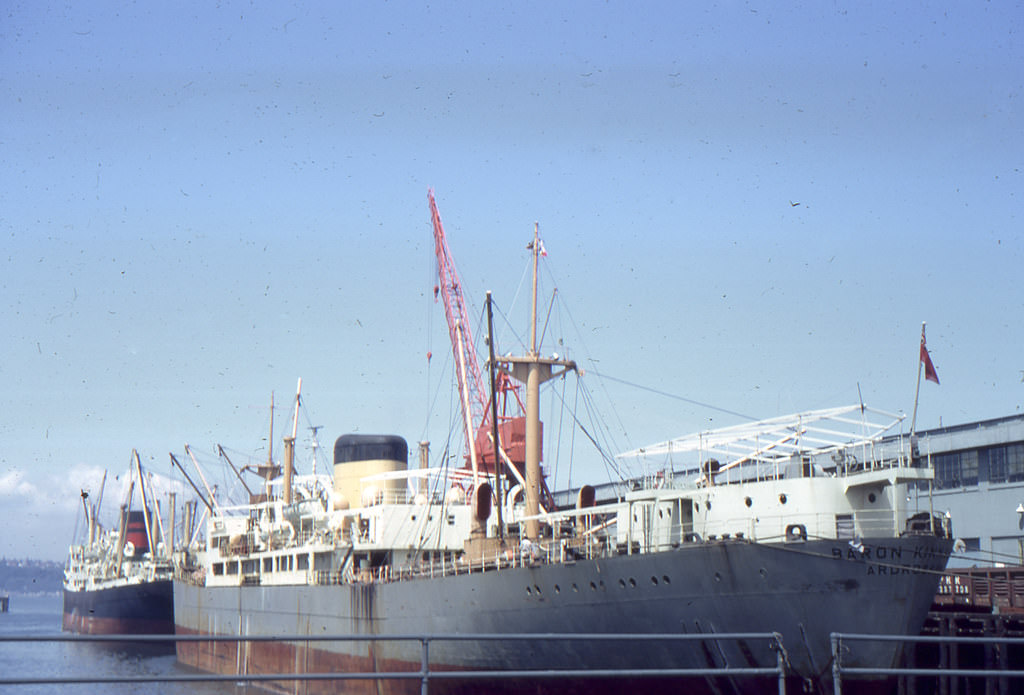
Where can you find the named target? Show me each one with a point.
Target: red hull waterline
(261, 658)
(91, 625)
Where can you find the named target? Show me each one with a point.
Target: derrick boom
(449, 287)
(472, 394)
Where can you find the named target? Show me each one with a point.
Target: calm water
(34, 615)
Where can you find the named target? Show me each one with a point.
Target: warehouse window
(959, 469)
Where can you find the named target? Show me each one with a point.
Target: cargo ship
(119, 581)
(798, 526)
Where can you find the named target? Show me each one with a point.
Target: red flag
(929, 368)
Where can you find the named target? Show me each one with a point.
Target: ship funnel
(361, 456)
(136, 534)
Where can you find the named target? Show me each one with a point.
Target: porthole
(622, 583)
(558, 589)
(537, 589)
(654, 581)
(529, 591)
(666, 579)
(632, 583)
(782, 498)
(718, 577)
(871, 497)
(696, 506)
(707, 505)
(747, 501)
(764, 573)
(575, 588)
(593, 586)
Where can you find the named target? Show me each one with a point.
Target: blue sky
(745, 206)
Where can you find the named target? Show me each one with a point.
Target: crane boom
(471, 388)
(475, 400)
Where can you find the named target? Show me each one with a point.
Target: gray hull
(802, 590)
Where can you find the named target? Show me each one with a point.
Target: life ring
(129, 549)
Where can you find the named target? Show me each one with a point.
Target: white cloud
(14, 484)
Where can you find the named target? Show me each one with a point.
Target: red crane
(472, 394)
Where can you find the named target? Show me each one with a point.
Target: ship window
(747, 501)
(782, 498)
(232, 567)
(303, 563)
(218, 569)
(268, 564)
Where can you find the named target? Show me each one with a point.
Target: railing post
(424, 665)
(780, 662)
(837, 686)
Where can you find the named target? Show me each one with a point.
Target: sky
(748, 209)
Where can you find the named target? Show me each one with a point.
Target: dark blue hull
(146, 608)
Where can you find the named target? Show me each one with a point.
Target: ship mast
(533, 370)
(289, 449)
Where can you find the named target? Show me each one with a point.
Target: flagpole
(917, 391)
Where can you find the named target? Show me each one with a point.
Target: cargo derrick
(473, 397)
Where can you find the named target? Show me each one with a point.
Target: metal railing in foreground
(942, 673)
(426, 673)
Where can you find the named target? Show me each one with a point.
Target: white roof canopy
(768, 441)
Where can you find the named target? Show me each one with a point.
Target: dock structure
(977, 602)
